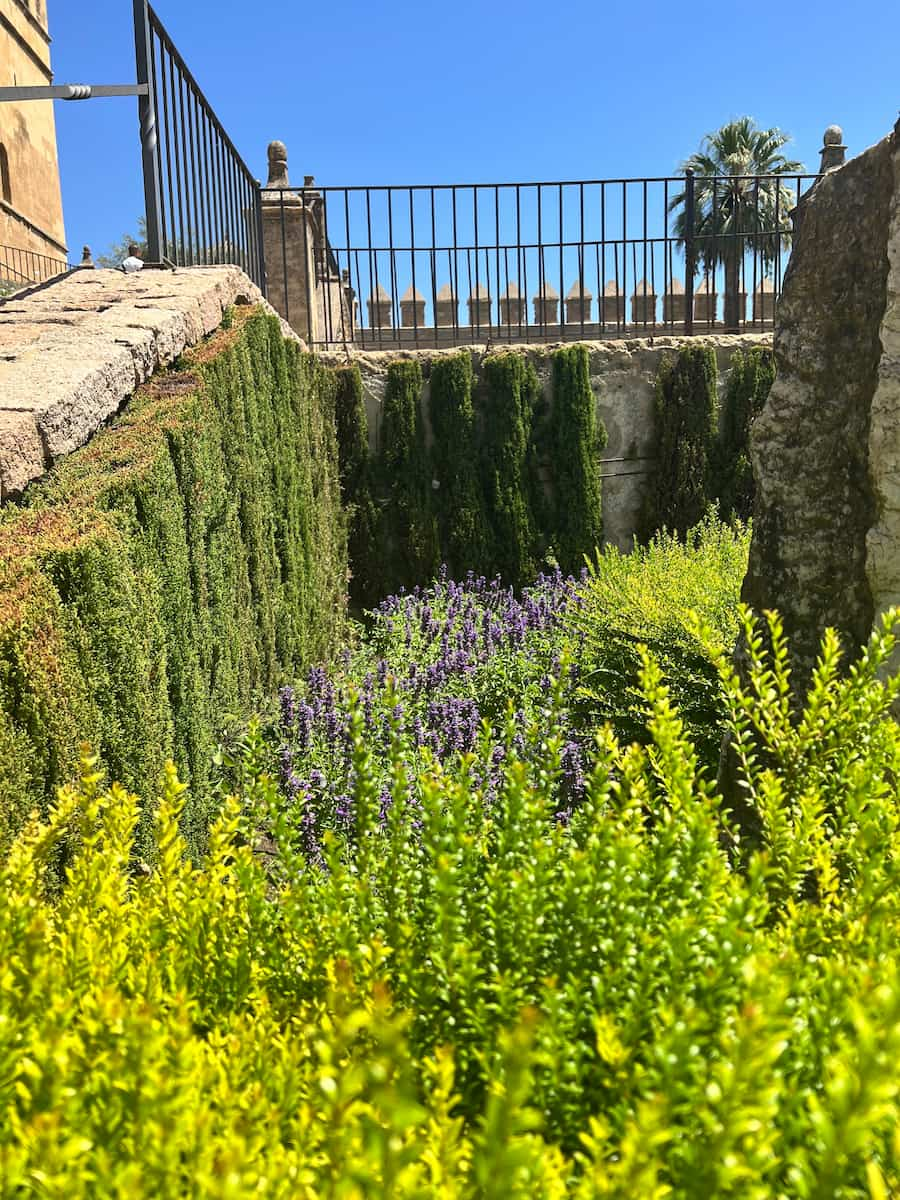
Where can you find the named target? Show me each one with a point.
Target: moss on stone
(176, 569)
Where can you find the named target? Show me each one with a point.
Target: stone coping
(74, 350)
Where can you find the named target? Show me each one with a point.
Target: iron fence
(202, 202)
(452, 263)
(20, 268)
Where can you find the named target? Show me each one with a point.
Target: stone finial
(673, 303)
(578, 303)
(546, 304)
(764, 301)
(833, 150)
(379, 306)
(612, 305)
(643, 303)
(278, 167)
(87, 262)
(446, 306)
(512, 306)
(412, 307)
(706, 300)
(479, 304)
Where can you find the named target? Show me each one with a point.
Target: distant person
(133, 262)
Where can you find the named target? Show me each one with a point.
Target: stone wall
(31, 216)
(826, 449)
(623, 375)
(73, 351)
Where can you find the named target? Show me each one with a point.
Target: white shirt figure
(133, 262)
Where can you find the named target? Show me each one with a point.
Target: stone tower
(31, 217)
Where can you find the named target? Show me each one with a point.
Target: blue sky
(401, 92)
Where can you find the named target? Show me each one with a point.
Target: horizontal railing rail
(447, 264)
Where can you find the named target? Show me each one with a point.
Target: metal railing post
(689, 251)
(261, 281)
(147, 118)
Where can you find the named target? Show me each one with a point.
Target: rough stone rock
(21, 453)
(826, 448)
(74, 350)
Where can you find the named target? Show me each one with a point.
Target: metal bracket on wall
(73, 91)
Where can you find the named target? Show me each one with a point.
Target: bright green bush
(652, 598)
(172, 571)
(473, 999)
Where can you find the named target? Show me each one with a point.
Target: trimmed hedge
(177, 568)
(686, 415)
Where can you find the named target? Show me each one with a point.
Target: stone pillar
(546, 305)
(643, 304)
(379, 306)
(447, 307)
(578, 303)
(706, 299)
(479, 304)
(512, 306)
(764, 301)
(412, 308)
(833, 150)
(826, 447)
(612, 310)
(288, 247)
(673, 303)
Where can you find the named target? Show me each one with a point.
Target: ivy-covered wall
(173, 571)
(476, 470)
(702, 436)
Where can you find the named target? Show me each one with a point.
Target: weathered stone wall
(826, 449)
(72, 352)
(31, 215)
(623, 375)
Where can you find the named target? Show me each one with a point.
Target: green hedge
(171, 572)
(686, 414)
(508, 481)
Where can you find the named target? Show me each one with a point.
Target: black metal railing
(21, 268)
(202, 202)
(452, 263)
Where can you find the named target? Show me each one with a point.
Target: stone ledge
(73, 351)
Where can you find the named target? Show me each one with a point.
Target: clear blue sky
(409, 91)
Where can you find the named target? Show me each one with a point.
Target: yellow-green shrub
(473, 999)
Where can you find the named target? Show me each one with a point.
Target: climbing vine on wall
(751, 375)
(683, 484)
(410, 549)
(576, 439)
(509, 391)
(355, 468)
(459, 498)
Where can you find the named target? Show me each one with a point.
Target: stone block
(21, 453)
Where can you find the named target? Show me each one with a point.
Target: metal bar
(412, 242)
(74, 91)
(147, 122)
(689, 213)
(172, 50)
(562, 282)
(433, 261)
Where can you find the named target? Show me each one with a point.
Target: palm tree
(738, 205)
